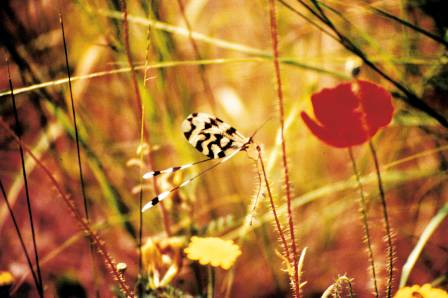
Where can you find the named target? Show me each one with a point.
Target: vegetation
(338, 191)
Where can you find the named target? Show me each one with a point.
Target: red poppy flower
(350, 113)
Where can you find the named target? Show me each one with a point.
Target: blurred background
(224, 67)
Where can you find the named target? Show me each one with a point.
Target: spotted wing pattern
(211, 136)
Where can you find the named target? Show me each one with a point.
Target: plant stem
(365, 221)
(274, 37)
(70, 204)
(140, 197)
(19, 234)
(78, 151)
(390, 248)
(211, 282)
(140, 110)
(40, 289)
(418, 248)
(274, 211)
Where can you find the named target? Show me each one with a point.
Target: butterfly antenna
(261, 126)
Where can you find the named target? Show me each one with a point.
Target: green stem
(390, 249)
(365, 222)
(427, 233)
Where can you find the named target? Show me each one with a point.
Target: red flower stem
(140, 109)
(70, 204)
(274, 37)
(365, 222)
(390, 248)
(274, 211)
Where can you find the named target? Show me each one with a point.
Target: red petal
(336, 107)
(349, 114)
(377, 104)
(335, 138)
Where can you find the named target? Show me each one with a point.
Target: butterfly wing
(211, 136)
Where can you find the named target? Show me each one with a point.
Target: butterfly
(212, 137)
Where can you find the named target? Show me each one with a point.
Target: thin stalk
(365, 222)
(140, 197)
(140, 110)
(40, 289)
(390, 248)
(274, 37)
(202, 70)
(418, 248)
(211, 282)
(19, 235)
(160, 65)
(70, 204)
(284, 3)
(410, 25)
(274, 210)
(138, 99)
(139, 103)
(141, 153)
(78, 154)
(75, 125)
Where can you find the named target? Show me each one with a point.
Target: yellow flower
(6, 278)
(213, 251)
(425, 291)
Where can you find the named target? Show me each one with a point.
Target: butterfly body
(212, 137)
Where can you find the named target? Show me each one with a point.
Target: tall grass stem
(78, 155)
(19, 235)
(140, 110)
(27, 194)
